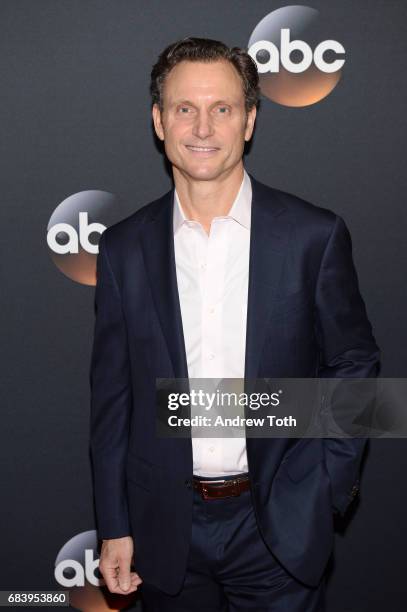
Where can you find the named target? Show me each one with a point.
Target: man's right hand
(115, 560)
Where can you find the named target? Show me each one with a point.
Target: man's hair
(205, 50)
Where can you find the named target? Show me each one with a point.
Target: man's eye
(223, 110)
(184, 110)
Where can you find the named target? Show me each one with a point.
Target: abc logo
(74, 230)
(72, 245)
(287, 47)
(293, 71)
(76, 571)
(76, 566)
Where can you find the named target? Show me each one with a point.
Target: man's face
(204, 124)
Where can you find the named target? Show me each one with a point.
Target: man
(221, 277)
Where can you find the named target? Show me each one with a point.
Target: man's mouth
(202, 149)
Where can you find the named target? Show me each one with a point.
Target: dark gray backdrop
(74, 110)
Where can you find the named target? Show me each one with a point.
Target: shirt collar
(240, 210)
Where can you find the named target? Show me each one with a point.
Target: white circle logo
(74, 230)
(294, 71)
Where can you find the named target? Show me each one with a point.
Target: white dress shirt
(212, 276)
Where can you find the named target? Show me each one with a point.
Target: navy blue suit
(306, 318)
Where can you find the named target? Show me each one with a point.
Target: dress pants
(230, 569)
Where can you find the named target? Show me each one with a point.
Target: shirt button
(211, 356)
(211, 310)
(203, 266)
(211, 448)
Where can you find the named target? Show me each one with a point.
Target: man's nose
(203, 127)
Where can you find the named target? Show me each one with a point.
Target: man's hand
(115, 560)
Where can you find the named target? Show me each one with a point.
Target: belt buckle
(204, 492)
(233, 490)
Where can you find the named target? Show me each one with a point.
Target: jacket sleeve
(111, 403)
(347, 350)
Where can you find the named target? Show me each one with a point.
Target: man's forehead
(207, 80)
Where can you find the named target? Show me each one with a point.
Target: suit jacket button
(188, 484)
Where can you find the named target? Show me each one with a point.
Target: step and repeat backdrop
(78, 154)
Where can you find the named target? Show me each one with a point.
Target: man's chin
(202, 173)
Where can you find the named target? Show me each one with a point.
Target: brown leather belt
(218, 489)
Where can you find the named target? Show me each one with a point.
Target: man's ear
(158, 126)
(251, 118)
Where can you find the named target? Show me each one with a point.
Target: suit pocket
(139, 471)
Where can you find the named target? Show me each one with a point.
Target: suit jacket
(305, 318)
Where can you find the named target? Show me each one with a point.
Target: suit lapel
(270, 230)
(159, 257)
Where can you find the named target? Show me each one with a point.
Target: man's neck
(203, 200)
